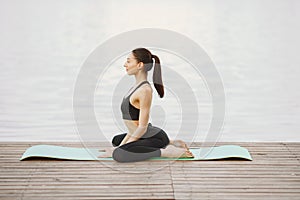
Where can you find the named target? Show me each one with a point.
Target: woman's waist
(131, 124)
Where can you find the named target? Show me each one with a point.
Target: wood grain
(274, 173)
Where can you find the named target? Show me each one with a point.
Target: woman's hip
(153, 131)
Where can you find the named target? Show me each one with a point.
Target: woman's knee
(116, 141)
(119, 155)
(123, 155)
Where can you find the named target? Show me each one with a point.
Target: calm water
(254, 45)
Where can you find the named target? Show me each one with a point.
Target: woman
(143, 141)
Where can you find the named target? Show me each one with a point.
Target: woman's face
(132, 66)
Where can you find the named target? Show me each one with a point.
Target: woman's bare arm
(124, 141)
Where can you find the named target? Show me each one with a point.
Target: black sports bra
(129, 111)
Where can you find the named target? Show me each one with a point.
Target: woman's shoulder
(145, 89)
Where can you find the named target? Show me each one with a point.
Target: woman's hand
(124, 141)
(131, 139)
(137, 134)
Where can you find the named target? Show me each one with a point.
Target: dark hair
(145, 56)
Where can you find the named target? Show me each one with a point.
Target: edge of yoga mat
(71, 153)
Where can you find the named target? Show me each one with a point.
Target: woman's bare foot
(179, 144)
(108, 152)
(176, 152)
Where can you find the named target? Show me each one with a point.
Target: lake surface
(253, 44)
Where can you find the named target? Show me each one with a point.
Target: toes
(189, 154)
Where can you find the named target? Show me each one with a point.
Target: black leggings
(146, 147)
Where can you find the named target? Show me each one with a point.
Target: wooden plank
(274, 173)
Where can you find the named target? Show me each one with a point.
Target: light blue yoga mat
(71, 153)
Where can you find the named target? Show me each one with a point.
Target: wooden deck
(274, 173)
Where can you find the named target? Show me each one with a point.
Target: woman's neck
(140, 77)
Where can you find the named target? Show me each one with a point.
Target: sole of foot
(176, 152)
(179, 144)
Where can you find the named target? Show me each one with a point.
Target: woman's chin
(128, 73)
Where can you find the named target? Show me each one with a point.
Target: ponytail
(157, 78)
(145, 56)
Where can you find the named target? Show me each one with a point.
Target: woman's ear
(140, 65)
